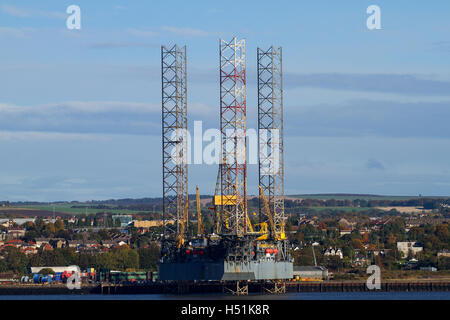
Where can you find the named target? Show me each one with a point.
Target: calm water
(288, 296)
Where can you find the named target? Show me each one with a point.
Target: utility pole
(314, 255)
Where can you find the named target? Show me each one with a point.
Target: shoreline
(183, 288)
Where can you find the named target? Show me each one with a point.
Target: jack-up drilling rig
(237, 249)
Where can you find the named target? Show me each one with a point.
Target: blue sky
(365, 111)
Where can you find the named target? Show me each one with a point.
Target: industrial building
(69, 269)
(151, 223)
(124, 219)
(310, 273)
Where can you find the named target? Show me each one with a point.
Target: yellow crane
(249, 224)
(200, 227)
(180, 236)
(275, 234)
(269, 214)
(262, 229)
(217, 202)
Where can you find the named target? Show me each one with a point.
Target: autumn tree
(59, 225)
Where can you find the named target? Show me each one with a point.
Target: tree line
(121, 259)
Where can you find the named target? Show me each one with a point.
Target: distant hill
(158, 200)
(351, 196)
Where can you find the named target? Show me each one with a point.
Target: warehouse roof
(309, 268)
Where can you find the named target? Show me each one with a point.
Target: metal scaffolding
(235, 251)
(233, 167)
(270, 132)
(174, 134)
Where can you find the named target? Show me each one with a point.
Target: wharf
(185, 287)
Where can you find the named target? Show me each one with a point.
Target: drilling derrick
(233, 167)
(236, 250)
(174, 143)
(270, 136)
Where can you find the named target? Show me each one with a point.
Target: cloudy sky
(366, 111)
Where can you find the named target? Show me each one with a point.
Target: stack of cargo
(40, 278)
(106, 275)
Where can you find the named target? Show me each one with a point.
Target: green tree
(3, 266)
(86, 260)
(52, 258)
(31, 235)
(69, 255)
(59, 225)
(125, 258)
(15, 260)
(105, 261)
(357, 244)
(148, 258)
(29, 225)
(40, 224)
(49, 229)
(47, 271)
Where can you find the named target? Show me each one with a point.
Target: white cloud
(107, 106)
(11, 180)
(200, 108)
(81, 106)
(15, 32)
(71, 182)
(21, 12)
(111, 44)
(90, 107)
(97, 117)
(187, 31)
(14, 11)
(141, 33)
(85, 117)
(53, 136)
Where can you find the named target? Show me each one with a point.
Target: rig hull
(226, 270)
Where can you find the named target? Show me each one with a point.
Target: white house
(333, 252)
(407, 247)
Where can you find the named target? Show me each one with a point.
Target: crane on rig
(276, 232)
(182, 228)
(200, 226)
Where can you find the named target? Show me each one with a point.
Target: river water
(289, 296)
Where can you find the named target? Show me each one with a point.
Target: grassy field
(361, 197)
(406, 209)
(346, 209)
(362, 209)
(66, 209)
